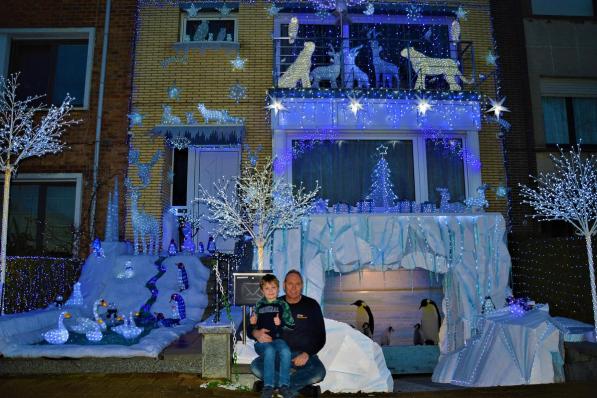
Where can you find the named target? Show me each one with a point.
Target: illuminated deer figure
(352, 72)
(143, 223)
(384, 71)
(328, 72)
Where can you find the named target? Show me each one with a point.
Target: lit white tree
(569, 193)
(256, 203)
(27, 128)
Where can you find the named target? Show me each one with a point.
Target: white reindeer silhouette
(327, 72)
(143, 223)
(384, 71)
(352, 72)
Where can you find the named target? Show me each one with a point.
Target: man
(305, 341)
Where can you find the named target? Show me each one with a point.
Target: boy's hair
(269, 278)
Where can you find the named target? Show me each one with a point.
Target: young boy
(273, 314)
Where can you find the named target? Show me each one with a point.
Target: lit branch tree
(256, 203)
(569, 193)
(27, 128)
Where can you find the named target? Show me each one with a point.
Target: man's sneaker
(267, 392)
(258, 386)
(286, 392)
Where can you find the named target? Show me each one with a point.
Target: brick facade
(78, 158)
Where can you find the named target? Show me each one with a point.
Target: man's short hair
(269, 278)
(293, 271)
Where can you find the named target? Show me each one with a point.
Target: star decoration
(461, 13)
(224, 10)
(413, 12)
(491, 58)
(355, 105)
(174, 92)
(170, 176)
(497, 107)
(192, 10)
(238, 63)
(275, 105)
(370, 10)
(502, 191)
(273, 10)
(136, 119)
(423, 105)
(237, 92)
(382, 150)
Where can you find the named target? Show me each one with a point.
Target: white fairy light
(423, 105)
(569, 193)
(355, 105)
(497, 107)
(275, 105)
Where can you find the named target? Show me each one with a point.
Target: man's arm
(318, 330)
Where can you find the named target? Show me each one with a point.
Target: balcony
(388, 65)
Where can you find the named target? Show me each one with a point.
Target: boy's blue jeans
(269, 351)
(313, 371)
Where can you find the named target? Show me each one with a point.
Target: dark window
(570, 120)
(41, 218)
(50, 68)
(210, 30)
(582, 8)
(343, 168)
(444, 170)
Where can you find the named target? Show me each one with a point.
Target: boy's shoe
(267, 392)
(258, 386)
(286, 392)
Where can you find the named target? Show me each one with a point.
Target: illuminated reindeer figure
(352, 72)
(479, 202)
(328, 72)
(384, 71)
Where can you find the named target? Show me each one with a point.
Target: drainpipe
(98, 122)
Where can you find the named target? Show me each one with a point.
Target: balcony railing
(394, 64)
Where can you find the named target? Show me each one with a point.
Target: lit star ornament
(237, 92)
(382, 150)
(275, 105)
(355, 105)
(501, 191)
(273, 10)
(497, 107)
(224, 10)
(238, 63)
(423, 105)
(136, 119)
(192, 10)
(491, 58)
(461, 13)
(370, 10)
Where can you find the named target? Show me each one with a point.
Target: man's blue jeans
(302, 376)
(276, 362)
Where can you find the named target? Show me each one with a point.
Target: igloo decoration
(353, 362)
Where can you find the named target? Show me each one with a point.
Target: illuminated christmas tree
(382, 193)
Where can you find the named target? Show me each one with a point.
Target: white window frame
(472, 177)
(210, 17)
(8, 35)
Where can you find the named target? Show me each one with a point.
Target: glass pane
(585, 119)
(561, 7)
(59, 219)
(35, 62)
(22, 220)
(555, 120)
(445, 169)
(343, 168)
(69, 77)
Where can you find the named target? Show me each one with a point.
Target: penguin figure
(364, 317)
(417, 337)
(178, 307)
(367, 331)
(183, 278)
(430, 322)
(162, 321)
(386, 339)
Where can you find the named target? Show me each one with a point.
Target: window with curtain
(343, 168)
(444, 170)
(51, 68)
(41, 218)
(570, 120)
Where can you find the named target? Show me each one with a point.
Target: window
(569, 120)
(418, 166)
(53, 68)
(583, 8)
(43, 216)
(52, 62)
(208, 28)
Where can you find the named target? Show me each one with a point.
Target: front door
(209, 166)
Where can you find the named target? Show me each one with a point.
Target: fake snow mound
(98, 280)
(353, 362)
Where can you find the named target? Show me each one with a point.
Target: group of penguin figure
(425, 333)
